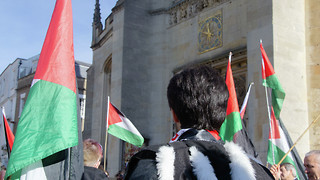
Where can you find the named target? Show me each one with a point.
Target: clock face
(210, 33)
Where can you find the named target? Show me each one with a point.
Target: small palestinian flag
(120, 126)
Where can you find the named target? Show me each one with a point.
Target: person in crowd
(312, 164)
(92, 155)
(286, 171)
(3, 172)
(197, 98)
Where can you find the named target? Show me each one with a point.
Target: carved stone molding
(181, 10)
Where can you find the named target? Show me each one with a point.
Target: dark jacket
(91, 173)
(196, 155)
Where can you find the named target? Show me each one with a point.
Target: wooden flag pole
(106, 140)
(314, 121)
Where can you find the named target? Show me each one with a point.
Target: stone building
(8, 96)
(9, 80)
(142, 43)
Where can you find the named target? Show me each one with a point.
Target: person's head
(3, 167)
(288, 171)
(92, 153)
(312, 164)
(198, 97)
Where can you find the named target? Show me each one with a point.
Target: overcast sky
(24, 26)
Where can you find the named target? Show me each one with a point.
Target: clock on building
(210, 33)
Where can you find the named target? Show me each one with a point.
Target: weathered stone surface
(148, 41)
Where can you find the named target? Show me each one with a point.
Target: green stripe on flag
(125, 135)
(277, 94)
(230, 126)
(278, 154)
(48, 124)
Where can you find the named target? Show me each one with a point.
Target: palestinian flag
(232, 124)
(233, 128)
(48, 126)
(8, 133)
(278, 144)
(294, 153)
(120, 126)
(269, 79)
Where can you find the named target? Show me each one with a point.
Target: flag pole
(312, 123)
(245, 102)
(271, 132)
(268, 106)
(106, 140)
(5, 133)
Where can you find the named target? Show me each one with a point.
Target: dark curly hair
(198, 96)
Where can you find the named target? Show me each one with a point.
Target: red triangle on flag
(56, 62)
(114, 115)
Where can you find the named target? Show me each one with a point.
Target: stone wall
(145, 42)
(289, 56)
(313, 68)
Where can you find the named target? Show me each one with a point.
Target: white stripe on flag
(34, 81)
(245, 102)
(127, 124)
(282, 143)
(33, 171)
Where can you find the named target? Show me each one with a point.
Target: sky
(24, 24)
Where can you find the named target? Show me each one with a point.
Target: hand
(275, 171)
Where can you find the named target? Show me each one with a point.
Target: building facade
(8, 96)
(143, 43)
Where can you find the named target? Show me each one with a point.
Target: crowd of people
(197, 99)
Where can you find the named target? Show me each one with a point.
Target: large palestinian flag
(48, 123)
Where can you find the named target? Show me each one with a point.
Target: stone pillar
(313, 68)
(290, 67)
(259, 24)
